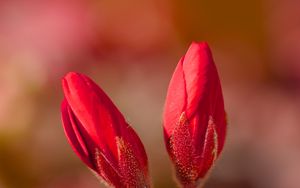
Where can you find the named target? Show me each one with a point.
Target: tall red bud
(100, 136)
(194, 116)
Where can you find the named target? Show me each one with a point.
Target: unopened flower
(100, 136)
(194, 116)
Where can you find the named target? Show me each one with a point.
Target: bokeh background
(130, 49)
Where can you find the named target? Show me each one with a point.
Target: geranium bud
(100, 136)
(194, 116)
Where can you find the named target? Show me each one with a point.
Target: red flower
(194, 116)
(100, 136)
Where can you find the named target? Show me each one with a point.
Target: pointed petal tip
(70, 76)
(196, 53)
(66, 79)
(71, 81)
(199, 46)
(202, 44)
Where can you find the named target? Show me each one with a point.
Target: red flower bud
(194, 116)
(100, 136)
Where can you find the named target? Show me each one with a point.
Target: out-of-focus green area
(130, 49)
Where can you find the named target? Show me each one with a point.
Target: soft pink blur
(130, 48)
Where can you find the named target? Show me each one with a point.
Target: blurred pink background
(130, 49)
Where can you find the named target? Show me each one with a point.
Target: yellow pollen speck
(212, 124)
(182, 119)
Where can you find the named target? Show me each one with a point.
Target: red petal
(106, 170)
(210, 149)
(198, 72)
(74, 137)
(204, 94)
(95, 111)
(175, 100)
